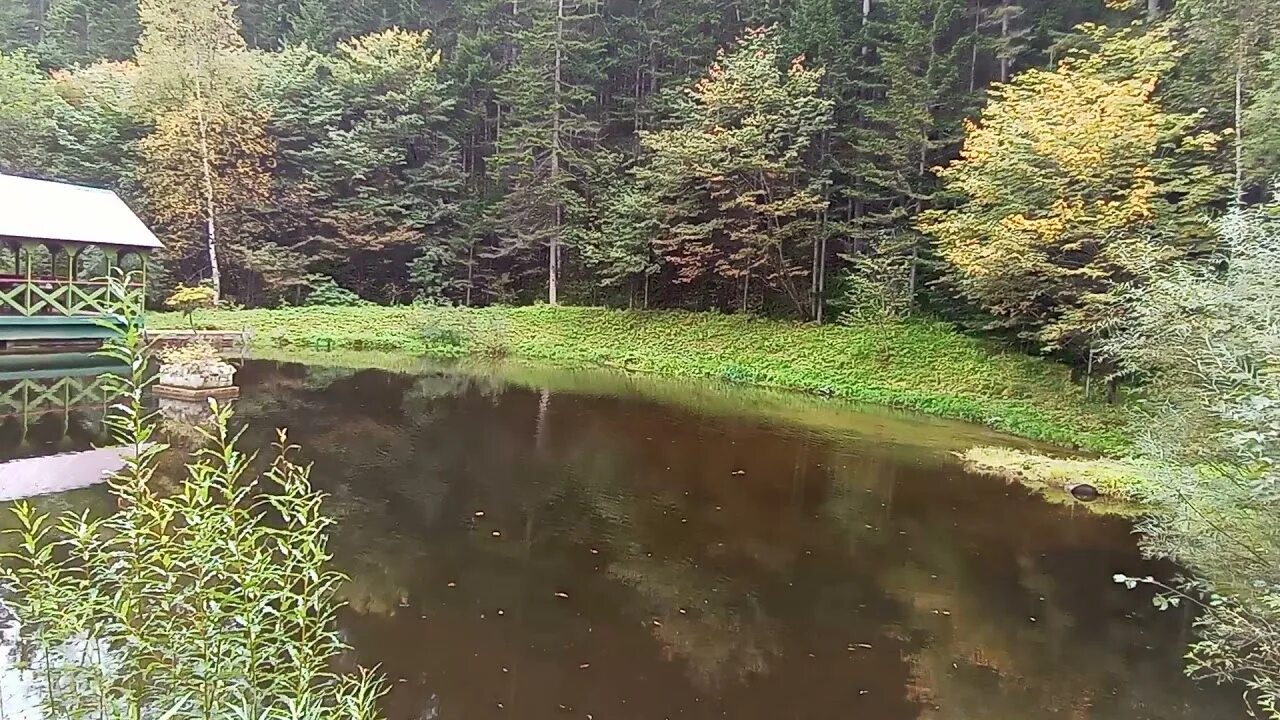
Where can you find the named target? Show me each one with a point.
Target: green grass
(918, 365)
(1122, 485)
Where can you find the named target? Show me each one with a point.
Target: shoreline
(915, 365)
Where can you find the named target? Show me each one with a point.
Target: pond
(547, 544)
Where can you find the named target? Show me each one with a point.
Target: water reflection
(556, 554)
(565, 546)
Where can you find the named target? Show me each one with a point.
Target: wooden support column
(26, 251)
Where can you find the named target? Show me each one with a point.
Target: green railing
(50, 296)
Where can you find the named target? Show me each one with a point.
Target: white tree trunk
(206, 167)
(977, 40)
(866, 17)
(1239, 122)
(553, 255)
(1004, 35)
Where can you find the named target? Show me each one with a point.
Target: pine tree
(28, 126)
(545, 126)
(1228, 41)
(732, 193)
(99, 126)
(78, 32)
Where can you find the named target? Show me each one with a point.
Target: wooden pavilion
(58, 244)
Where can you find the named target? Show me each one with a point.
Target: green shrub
(735, 373)
(325, 291)
(212, 601)
(443, 337)
(187, 300)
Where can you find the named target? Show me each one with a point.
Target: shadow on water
(544, 544)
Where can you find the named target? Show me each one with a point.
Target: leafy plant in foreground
(1205, 338)
(214, 601)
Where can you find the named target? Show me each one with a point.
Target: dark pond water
(539, 545)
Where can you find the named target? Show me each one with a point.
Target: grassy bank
(917, 365)
(1120, 484)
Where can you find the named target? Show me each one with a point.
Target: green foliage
(214, 600)
(540, 152)
(325, 291)
(736, 198)
(366, 159)
(27, 127)
(617, 240)
(1072, 185)
(1204, 337)
(345, 139)
(187, 300)
(1262, 142)
(930, 367)
(443, 338)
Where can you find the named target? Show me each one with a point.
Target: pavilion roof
(56, 211)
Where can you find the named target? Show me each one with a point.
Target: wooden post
(26, 250)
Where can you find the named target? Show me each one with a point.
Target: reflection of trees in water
(384, 449)
(1014, 634)
(697, 613)
(711, 556)
(721, 632)
(50, 432)
(391, 475)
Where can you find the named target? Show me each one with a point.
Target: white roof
(43, 210)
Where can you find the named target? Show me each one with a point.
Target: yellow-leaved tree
(1074, 183)
(209, 155)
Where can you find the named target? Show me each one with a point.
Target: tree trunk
(977, 41)
(1239, 112)
(1153, 10)
(553, 256)
(866, 18)
(1004, 36)
(471, 271)
(813, 278)
(822, 277)
(206, 169)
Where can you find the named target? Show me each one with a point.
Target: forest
(1087, 180)
(810, 159)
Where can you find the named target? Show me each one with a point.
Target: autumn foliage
(1072, 184)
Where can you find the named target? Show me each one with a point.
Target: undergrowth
(918, 365)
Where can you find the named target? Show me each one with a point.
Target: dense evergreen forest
(1087, 179)
(785, 158)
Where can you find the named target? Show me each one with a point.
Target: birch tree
(209, 153)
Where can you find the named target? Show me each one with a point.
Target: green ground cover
(919, 365)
